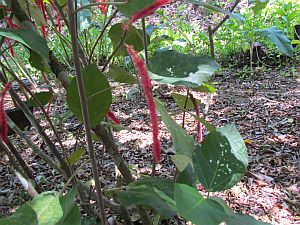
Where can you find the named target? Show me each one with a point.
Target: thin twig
(83, 102)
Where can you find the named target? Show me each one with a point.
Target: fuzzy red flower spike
(146, 83)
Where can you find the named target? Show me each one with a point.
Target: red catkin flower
(146, 83)
(12, 25)
(44, 31)
(146, 11)
(102, 7)
(113, 117)
(58, 16)
(12, 51)
(41, 5)
(3, 120)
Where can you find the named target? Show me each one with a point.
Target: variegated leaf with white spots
(221, 160)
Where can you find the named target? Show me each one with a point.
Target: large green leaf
(98, 94)
(258, 5)
(48, 208)
(173, 67)
(217, 9)
(182, 141)
(221, 160)
(133, 37)
(192, 206)
(149, 196)
(120, 75)
(279, 39)
(133, 6)
(29, 38)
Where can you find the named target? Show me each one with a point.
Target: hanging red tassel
(58, 16)
(3, 119)
(11, 49)
(113, 117)
(146, 11)
(146, 83)
(42, 6)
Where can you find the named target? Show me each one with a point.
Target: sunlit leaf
(173, 67)
(279, 39)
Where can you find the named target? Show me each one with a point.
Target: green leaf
(120, 75)
(295, 42)
(29, 38)
(192, 206)
(237, 143)
(217, 9)
(221, 160)
(162, 184)
(279, 39)
(182, 103)
(172, 67)
(48, 208)
(75, 156)
(83, 16)
(43, 97)
(39, 62)
(133, 37)
(188, 176)
(149, 196)
(258, 5)
(182, 141)
(241, 219)
(133, 6)
(71, 213)
(208, 125)
(206, 88)
(98, 94)
(181, 161)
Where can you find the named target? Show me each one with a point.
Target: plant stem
(83, 103)
(100, 3)
(115, 51)
(145, 41)
(101, 35)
